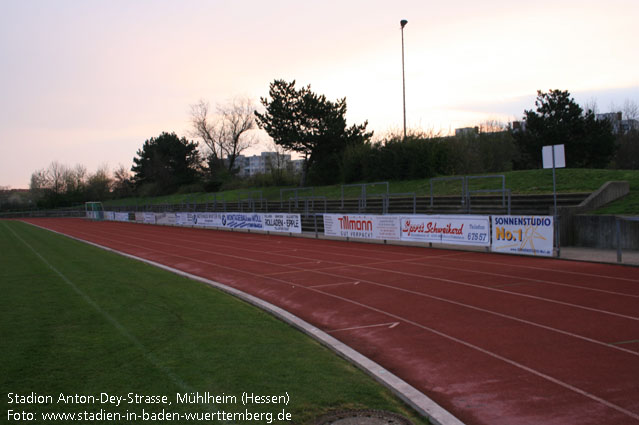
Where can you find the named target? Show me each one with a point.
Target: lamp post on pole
(403, 23)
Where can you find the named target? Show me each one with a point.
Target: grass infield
(81, 322)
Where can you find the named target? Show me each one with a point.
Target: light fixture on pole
(403, 23)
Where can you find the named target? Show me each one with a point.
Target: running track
(494, 339)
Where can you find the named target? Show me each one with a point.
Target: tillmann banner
(448, 229)
(362, 226)
(531, 235)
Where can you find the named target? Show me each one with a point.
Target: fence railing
(361, 205)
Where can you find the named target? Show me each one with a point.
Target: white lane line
(335, 284)
(496, 289)
(530, 279)
(550, 270)
(389, 325)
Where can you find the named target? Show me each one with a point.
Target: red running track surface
(494, 339)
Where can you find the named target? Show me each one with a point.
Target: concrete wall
(599, 231)
(569, 231)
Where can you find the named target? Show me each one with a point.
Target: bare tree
(205, 128)
(56, 176)
(492, 126)
(99, 184)
(38, 180)
(631, 113)
(122, 185)
(75, 178)
(591, 105)
(228, 132)
(237, 121)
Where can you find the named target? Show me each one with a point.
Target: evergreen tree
(308, 123)
(165, 163)
(558, 119)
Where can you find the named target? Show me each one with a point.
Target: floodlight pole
(403, 23)
(554, 192)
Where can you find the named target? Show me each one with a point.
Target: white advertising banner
(121, 216)
(165, 218)
(243, 221)
(362, 226)
(148, 218)
(139, 217)
(280, 222)
(208, 219)
(184, 219)
(530, 235)
(447, 229)
(274, 222)
(109, 215)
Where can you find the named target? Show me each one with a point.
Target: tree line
(299, 120)
(60, 185)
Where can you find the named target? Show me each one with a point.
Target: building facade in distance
(266, 162)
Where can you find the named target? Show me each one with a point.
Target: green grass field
(77, 320)
(523, 182)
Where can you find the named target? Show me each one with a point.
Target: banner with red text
(447, 229)
(384, 227)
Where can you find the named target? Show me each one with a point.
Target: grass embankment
(79, 320)
(521, 182)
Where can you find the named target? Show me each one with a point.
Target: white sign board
(121, 216)
(184, 219)
(448, 229)
(281, 222)
(242, 221)
(149, 218)
(207, 219)
(530, 235)
(165, 218)
(560, 157)
(362, 226)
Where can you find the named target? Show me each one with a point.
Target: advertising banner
(530, 235)
(208, 219)
(109, 215)
(243, 221)
(280, 222)
(121, 216)
(362, 226)
(448, 229)
(138, 217)
(184, 219)
(148, 218)
(165, 218)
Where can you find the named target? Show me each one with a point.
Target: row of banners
(530, 235)
(275, 222)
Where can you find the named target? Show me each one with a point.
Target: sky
(87, 81)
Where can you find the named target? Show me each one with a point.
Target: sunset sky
(89, 81)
